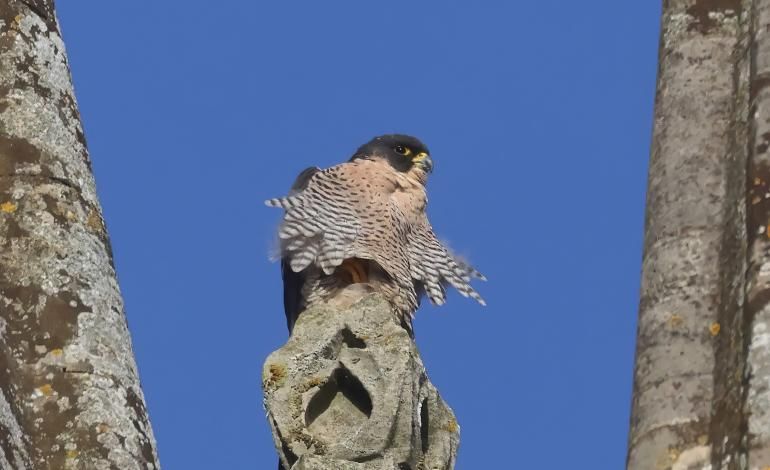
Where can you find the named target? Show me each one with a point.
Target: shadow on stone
(341, 400)
(424, 425)
(351, 340)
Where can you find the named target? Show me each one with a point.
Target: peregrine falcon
(364, 221)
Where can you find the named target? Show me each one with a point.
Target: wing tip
(288, 202)
(274, 202)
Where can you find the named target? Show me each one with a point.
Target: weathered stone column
(69, 392)
(348, 391)
(701, 393)
(757, 405)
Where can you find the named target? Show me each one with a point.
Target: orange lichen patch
(452, 425)
(57, 352)
(94, 221)
(715, 328)
(276, 375)
(314, 382)
(675, 321)
(673, 454)
(46, 390)
(14, 26)
(8, 207)
(71, 454)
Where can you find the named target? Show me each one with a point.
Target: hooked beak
(424, 161)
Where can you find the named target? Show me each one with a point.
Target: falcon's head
(404, 153)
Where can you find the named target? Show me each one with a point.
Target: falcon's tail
(292, 293)
(293, 281)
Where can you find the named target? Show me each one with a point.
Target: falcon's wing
(321, 222)
(432, 266)
(293, 282)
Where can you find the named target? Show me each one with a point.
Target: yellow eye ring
(401, 150)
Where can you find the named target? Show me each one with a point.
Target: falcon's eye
(401, 150)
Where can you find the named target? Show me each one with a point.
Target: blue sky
(538, 116)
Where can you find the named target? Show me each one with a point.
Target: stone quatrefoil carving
(348, 391)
